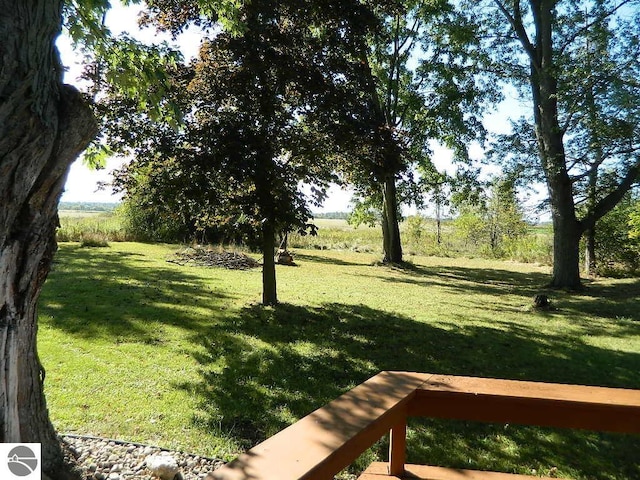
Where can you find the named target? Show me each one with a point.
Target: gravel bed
(104, 459)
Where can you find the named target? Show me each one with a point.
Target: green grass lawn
(140, 349)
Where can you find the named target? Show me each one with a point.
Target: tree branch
(595, 21)
(516, 23)
(607, 203)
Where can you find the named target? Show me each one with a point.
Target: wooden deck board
(529, 403)
(327, 440)
(378, 471)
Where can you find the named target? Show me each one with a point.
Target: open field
(79, 225)
(418, 238)
(65, 214)
(141, 349)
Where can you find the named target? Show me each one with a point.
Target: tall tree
(254, 97)
(44, 126)
(584, 114)
(251, 92)
(437, 186)
(419, 84)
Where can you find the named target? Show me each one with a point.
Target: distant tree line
(332, 215)
(89, 206)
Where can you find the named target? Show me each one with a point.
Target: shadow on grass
(613, 301)
(282, 363)
(328, 260)
(617, 301)
(263, 368)
(110, 295)
(488, 281)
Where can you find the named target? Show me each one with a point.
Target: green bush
(617, 248)
(531, 248)
(94, 240)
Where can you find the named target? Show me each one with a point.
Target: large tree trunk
(269, 291)
(566, 254)
(390, 226)
(567, 230)
(590, 263)
(43, 128)
(549, 134)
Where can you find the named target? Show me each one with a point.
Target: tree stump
(283, 257)
(541, 301)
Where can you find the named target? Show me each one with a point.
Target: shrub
(617, 251)
(415, 227)
(148, 223)
(94, 240)
(531, 248)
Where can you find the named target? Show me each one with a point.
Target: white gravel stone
(100, 457)
(163, 466)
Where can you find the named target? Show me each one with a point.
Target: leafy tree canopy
(253, 101)
(577, 65)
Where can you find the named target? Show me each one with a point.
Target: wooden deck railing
(329, 439)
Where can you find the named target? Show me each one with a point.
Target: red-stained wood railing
(329, 439)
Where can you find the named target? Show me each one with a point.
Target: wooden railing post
(398, 448)
(324, 442)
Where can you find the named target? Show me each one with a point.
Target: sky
(82, 182)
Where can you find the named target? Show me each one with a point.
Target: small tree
(437, 186)
(255, 98)
(470, 224)
(496, 219)
(616, 242)
(576, 63)
(505, 216)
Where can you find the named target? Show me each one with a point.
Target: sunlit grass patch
(184, 357)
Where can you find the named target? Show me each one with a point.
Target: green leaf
(96, 156)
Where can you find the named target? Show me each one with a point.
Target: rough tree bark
(44, 125)
(544, 86)
(392, 245)
(269, 288)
